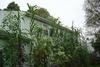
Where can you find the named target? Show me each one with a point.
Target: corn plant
(11, 24)
(62, 47)
(38, 45)
(63, 44)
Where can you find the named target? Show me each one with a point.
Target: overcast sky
(67, 10)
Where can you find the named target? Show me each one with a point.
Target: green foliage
(42, 12)
(63, 47)
(13, 51)
(12, 7)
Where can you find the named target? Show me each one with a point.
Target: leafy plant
(62, 47)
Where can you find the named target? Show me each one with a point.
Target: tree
(12, 6)
(96, 44)
(42, 12)
(92, 8)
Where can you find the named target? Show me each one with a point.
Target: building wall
(25, 23)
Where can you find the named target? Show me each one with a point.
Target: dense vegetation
(92, 8)
(62, 47)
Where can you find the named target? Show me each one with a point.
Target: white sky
(67, 10)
